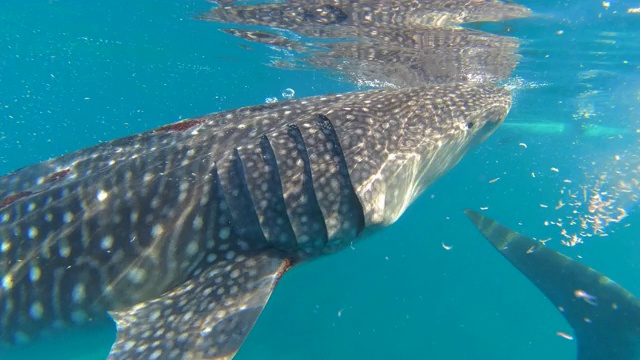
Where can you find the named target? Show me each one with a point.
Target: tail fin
(604, 316)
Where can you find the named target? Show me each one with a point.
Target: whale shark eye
(469, 125)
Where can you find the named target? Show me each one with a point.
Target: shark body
(181, 233)
(604, 316)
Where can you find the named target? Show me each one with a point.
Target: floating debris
(564, 335)
(544, 241)
(589, 210)
(589, 299)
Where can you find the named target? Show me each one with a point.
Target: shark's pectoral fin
(207, 317)
(604, 316)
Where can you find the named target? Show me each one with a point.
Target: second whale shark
(604, 316)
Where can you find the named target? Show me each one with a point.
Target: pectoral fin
(207, 317)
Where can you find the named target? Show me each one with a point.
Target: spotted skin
(145, 222)
(264, 183)
(304, 214)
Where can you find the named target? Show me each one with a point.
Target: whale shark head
(405, 140)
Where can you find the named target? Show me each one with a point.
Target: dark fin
(604, 316)
(207, 317)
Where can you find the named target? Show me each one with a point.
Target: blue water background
(74, 73)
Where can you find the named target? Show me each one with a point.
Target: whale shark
(181, 233)
(604, 316)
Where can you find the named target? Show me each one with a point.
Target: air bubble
(288, 93)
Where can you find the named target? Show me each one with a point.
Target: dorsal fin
(604, 316)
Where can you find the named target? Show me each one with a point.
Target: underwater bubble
(288, 93)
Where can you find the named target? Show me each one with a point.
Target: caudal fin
(604, 316)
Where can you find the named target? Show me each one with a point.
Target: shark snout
(492, 119)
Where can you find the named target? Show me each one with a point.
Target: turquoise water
(74, 73)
